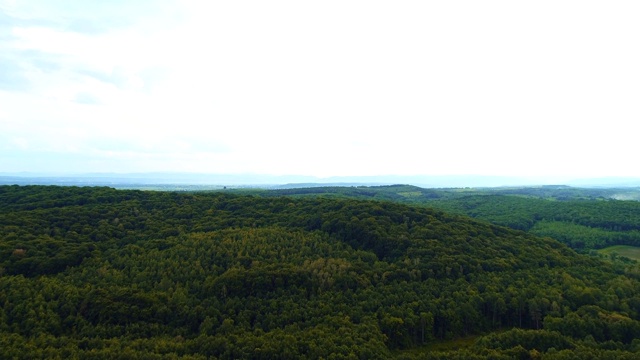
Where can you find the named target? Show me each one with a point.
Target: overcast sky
(322, 88)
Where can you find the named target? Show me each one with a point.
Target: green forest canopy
(104, 273)
(582, 218)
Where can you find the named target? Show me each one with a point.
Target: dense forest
(584, 219)
(97, 273)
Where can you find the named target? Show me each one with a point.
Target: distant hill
(94, 272)
(583, 218)
(266, 181)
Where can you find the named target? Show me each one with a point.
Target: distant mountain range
(258, 180)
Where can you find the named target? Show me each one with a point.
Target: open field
(631, 252)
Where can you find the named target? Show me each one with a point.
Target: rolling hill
(104, 273)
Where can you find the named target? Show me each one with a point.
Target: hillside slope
(584, 219)
(101, 273)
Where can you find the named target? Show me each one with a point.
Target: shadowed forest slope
(102, 273)
(582, 218)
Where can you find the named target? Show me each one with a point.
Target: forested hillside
(581, 224)
(584, 219)
(98, 273)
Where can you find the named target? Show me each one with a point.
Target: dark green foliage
(584, 219)
(100, 273)
(581, 224)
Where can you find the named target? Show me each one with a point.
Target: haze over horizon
(334, 88)
(210, 180)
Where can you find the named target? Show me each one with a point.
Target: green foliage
(581, 224)
(616, 251)
(584, 219)
(101, 273)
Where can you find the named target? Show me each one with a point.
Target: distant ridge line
(281, 181)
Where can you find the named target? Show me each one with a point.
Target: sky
(320, 88)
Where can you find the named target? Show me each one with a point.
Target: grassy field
(631, 252)
(409, 194)
(442, 345)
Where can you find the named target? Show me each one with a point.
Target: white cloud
(329, 88)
